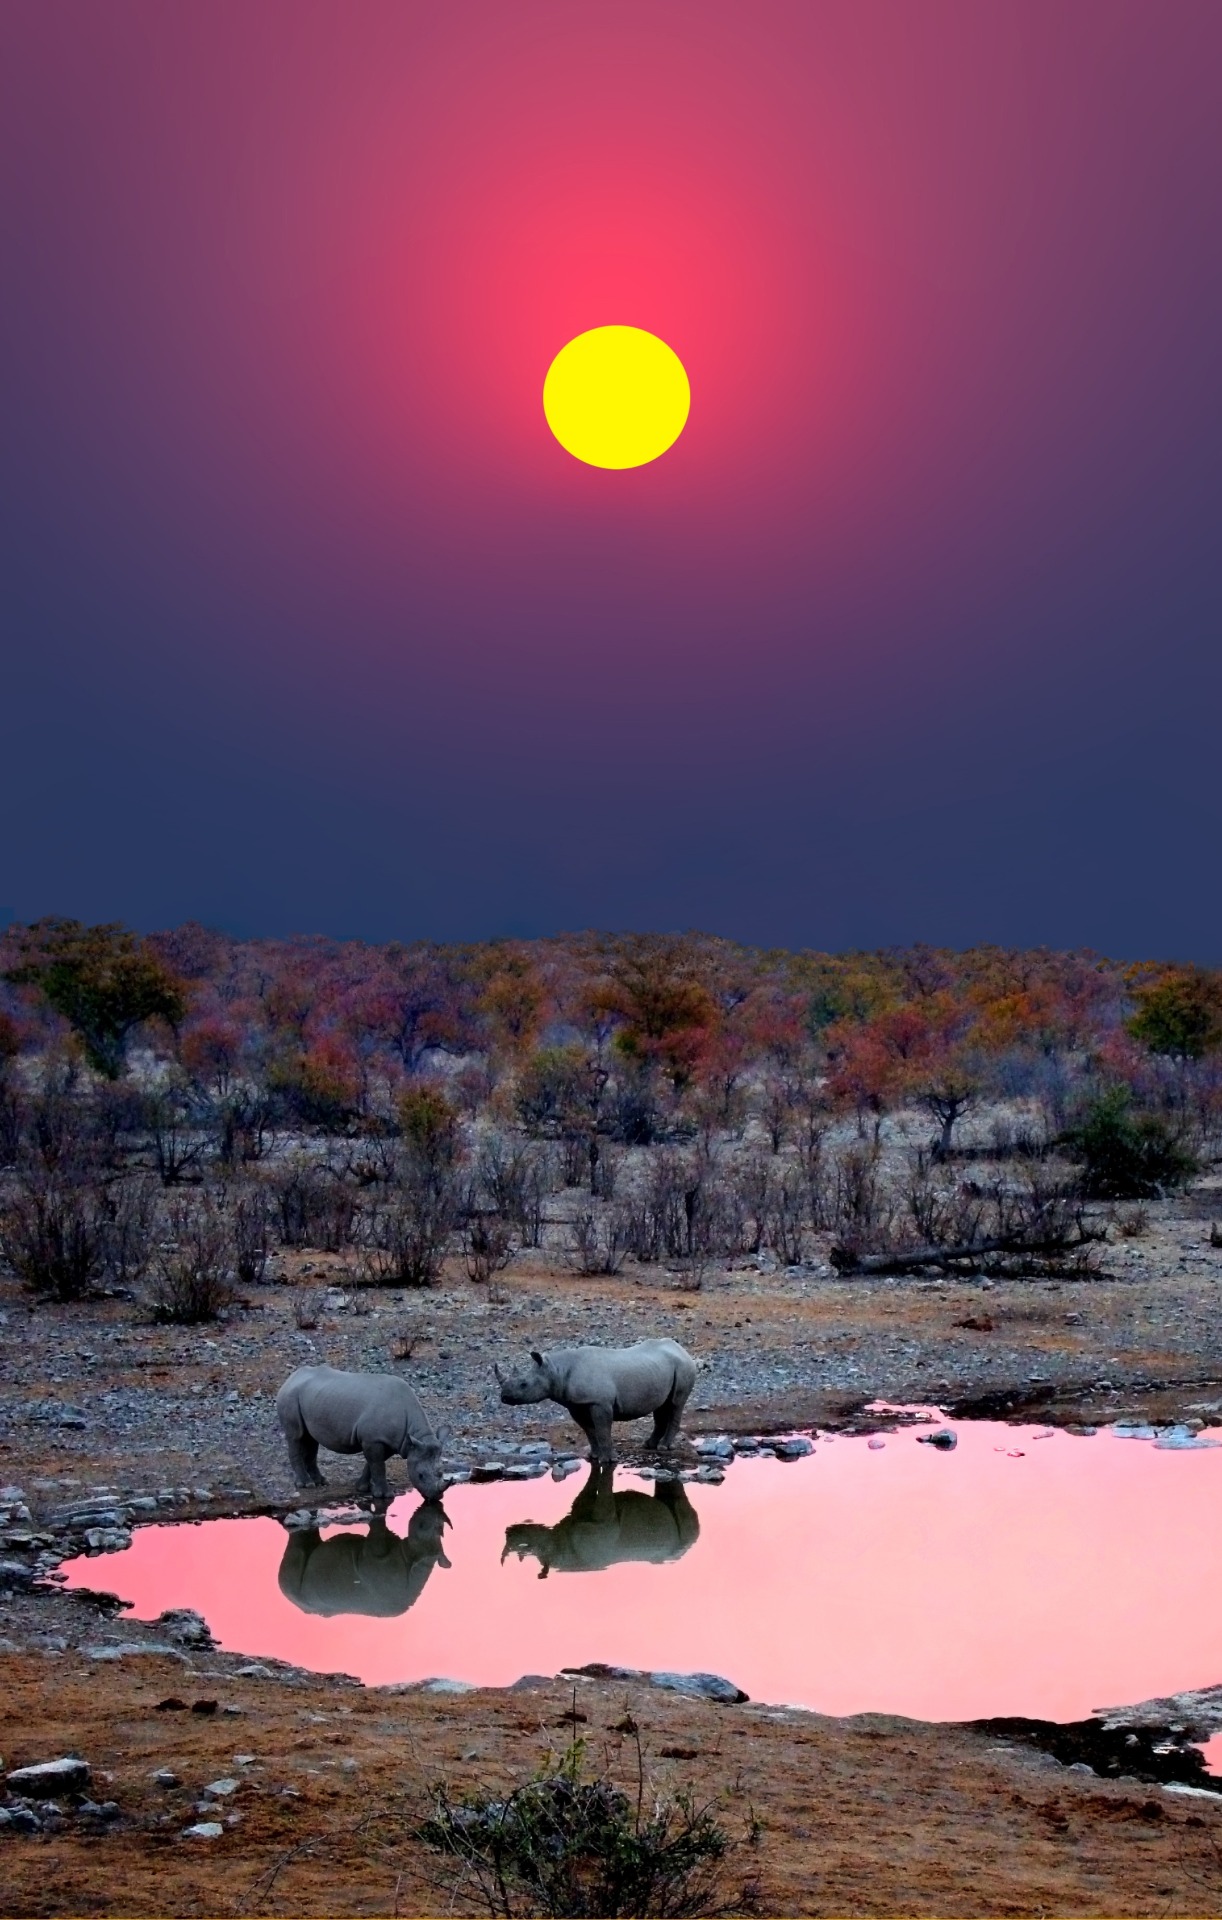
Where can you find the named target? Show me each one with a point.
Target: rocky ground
(106, 1420)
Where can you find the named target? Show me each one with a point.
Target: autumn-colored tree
(210, 1050)
(428, 1125)
(103, 980)
(667, 1011)
(1181, 1015)
(511, 1001)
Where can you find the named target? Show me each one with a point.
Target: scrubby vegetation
(175, 1109)
(572, 1841)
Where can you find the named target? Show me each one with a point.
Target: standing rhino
(376, 1414)
(602, 1384)
(603, 1527)
(375, 1573)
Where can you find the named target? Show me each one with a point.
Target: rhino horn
(500, 1376)
(536, 1356)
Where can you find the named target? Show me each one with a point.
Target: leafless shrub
(128, 1215)
(600, 1241)
(1031, 1223)
(487, 1247)
(406, 1234)
(404, 1343)
(250, 1232)
(178, 1143)
(787, 1220)
(854, 1205)
(1133, 1223)
(192, 1270)
(515, 1180)
(314, 1206)
(242, 1125)
(749, 1193)
(52, 1235)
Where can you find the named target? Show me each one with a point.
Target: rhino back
(346, 1412)
(632, 1380)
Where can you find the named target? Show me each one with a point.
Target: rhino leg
(668, 1416)
(601, 1451)
(303, 1460)
(373, 1480)
(662, 1418)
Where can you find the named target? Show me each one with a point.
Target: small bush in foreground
(568, 1843)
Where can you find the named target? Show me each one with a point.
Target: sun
(616, 397)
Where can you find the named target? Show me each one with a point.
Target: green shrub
(1127, 1155)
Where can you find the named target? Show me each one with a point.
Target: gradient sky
(308, 624)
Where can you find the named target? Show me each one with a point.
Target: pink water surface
(901, 1580)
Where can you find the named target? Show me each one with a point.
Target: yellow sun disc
(616, 397)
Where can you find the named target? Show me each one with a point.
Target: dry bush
(1031, 1222)
(52, 1235)
(178, 1142)
(250, 1232)
(600, 1242)
(129, 1213)
(487, 1247)
(787, 1223)
(515, 1181)
(406, 1234)
(573, 1842)
(314, 1206)
(193, 1268)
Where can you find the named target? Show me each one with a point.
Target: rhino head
(526, 1384)
(423, 1458)
(529, 1537)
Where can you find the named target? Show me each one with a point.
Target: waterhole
(1024, 1572)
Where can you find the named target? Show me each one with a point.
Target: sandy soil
(862, 1816)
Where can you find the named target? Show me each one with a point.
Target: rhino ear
(536, 1356)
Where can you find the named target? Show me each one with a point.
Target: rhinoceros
(603, 1527)
(377, 1573)
(602, 1384)
(376, 1414)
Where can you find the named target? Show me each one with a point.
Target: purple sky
(308, 624)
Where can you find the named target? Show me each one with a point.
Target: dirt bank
(871, 1815)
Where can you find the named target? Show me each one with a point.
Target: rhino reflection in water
(376, 1573)
(604, 1527)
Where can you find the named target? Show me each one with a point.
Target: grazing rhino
(376, 1414)
(602, 1384)
(376, 1573)
(603, 1527)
